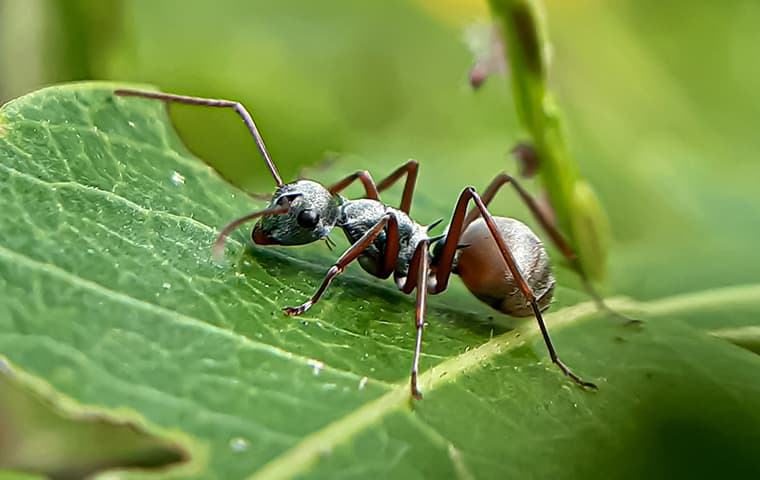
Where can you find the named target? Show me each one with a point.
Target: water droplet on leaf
(177, 179)
(239, 444)
(316, 365)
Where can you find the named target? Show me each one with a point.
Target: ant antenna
(218, 248)
(210, 102)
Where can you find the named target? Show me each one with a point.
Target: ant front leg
(552, 231)
(353, 252)
(445, 263)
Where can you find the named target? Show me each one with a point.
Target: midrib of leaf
(303, 455)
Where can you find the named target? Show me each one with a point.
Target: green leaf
(46, 433)
(110, 294)
(747, 337)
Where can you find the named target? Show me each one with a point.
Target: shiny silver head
(312, 214)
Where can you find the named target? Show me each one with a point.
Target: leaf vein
(306, 453)
(120, 297)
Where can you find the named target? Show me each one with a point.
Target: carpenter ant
(489, 253)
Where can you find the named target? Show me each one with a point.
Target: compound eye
(308, 218)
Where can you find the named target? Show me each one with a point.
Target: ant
(489, 253)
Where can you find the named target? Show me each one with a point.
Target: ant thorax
(359, 216)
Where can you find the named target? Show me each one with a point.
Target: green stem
(578, 213)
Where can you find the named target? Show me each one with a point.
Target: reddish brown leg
(218, 248)
(353, 252)
(211, 102)
(390, 258)
(418, 275)
(364, 177)
(373, 190)
(409, 169)
(446, 260)
(551, 230)
(548, 226)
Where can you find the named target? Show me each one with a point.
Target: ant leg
(447, 258)
(551, 230)
(602, 305)
(373, 190)
(444, 261)
(211, 102)
(419, 270)
(526, 290)
(218, 248)
(363, 176)
(546, 223)
(348, 256)
(392, 245)
(410, 169)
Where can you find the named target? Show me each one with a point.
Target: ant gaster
(489, 253)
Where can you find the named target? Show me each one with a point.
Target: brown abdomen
(485, 273)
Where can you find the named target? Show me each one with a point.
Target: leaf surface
(109, 292)
(46, 433)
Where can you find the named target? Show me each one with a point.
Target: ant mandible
(489, 253)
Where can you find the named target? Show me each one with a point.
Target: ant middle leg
(445, 261)
(556, 237)
(419, 270)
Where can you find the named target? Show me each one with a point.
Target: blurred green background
(660, 102)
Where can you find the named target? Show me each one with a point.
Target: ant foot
(413, 384)
(633, 322)
(624, 319)
(578, 380)
(299, 309)
(585, 384)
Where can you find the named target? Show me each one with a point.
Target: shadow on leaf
(45, 433)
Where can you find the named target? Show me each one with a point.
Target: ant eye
(307, 218)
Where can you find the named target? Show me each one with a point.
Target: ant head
(311, 213)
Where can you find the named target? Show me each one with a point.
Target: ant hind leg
(555, 236)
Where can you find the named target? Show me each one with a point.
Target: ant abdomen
(482, 269)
